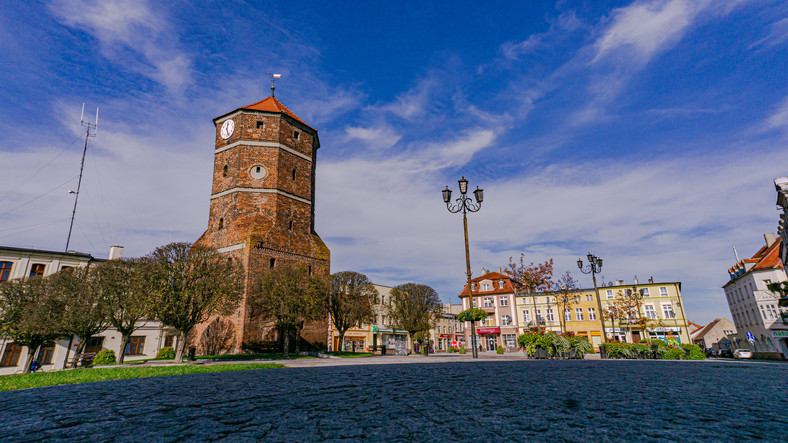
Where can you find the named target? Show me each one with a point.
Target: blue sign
(750, 337)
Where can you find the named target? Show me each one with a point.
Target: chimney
(499, 270)
(769, 239)
(620, 282)
(115, 252)
(636, 280)
(651, 280)
(484, 271)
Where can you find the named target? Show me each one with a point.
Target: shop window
(5, 270)
(135, 346)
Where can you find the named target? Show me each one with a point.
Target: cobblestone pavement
(490, 400)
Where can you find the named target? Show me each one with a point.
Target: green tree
(125, 301)
(352, 297)
(289, 296)
(27, 314)
(189, 284)
(413, 307)
(79, 303)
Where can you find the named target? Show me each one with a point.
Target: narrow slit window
(273, 263)
(295, 135)
(291, 225)
(224, 171)
(294, 173)
(221, 223)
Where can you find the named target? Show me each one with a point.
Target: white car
(742, 353)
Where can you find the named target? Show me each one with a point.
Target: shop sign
(389, 330)
(779, 333)
(445, 335)
(488, 330)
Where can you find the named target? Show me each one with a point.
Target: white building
(754, 308)
(18, 263)
(781, 185)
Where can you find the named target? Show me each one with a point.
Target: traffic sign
(750, 337)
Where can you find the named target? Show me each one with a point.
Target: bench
(84, 359)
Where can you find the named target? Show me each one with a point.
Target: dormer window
(485, 287)
(500, 284)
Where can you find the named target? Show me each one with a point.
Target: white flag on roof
(277, 75)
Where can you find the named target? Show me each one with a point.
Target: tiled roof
(271, 104)
(508, 287)
(768, 257)
(706, 329)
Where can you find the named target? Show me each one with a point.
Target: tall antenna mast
(88, 126)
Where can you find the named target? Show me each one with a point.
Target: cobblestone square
(455, 401)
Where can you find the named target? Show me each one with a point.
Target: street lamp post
(466, 204)
(593, 268)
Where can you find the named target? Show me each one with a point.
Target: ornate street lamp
(465, 204)
(593, 268)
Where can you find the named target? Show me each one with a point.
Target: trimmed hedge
(104, 357)
(166, 353)
(647, 349)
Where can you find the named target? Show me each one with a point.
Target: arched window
(273, 263)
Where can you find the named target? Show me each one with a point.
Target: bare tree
(124, 300)
(413, 307)
(27, 314)
(564, 299)
(289, 296)
(352, 297)
(189, 284)
(534, 277)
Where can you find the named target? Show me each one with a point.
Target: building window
(579, 314)
(767, 282)
(567, 315)
(168, 341)
(11, 355)
(663, 291)
(5, 270)
(539, 315)
(489, 321)
(547, 300)
(485, 287)
(576, 299)
(290, 226)
(224, 171)
(650, 312)
(474, 302)
(510, 340)
(272, 263)
(260, 125)
(94, 344)
(609, 293)
(488, 302)
(506, 320)
(645, 293)
(296, 135)
(591, 314)
(135, 345)
(500, 284)
(46, 354)
(37, 270)
(589, 297)
(293, 174)
(221, 223)
(550, 316)
(526, 316)
(668, 311)
(504, 301)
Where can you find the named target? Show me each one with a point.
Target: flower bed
(659, 349)
(566, 345)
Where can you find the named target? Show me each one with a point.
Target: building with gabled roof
(716, 335)
(754, 308)
(493, 292)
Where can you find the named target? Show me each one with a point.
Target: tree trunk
(298, 339)
(124, 341)
(31, 352)
(81, 346)
(286, 338)
(341, 340)
(180, 347)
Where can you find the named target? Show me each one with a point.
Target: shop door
(492, 342)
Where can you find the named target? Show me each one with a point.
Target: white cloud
(380, 137)
(778, 34)
(779, 119)
(132, 35)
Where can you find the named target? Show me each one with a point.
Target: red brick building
(262, 201)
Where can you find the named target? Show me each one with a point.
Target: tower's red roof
(271, 104)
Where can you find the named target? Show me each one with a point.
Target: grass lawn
(87, 375)
(228, 357)
(344, 354)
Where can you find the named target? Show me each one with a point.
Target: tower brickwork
(262, 202)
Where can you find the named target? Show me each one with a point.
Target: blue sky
(646, 132)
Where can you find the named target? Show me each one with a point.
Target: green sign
(779, 333)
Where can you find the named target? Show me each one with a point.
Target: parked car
(726, 353)
(742, 353)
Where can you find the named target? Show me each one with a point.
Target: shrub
(105, 357)
(693, 351)
(451, 350)
(166, 353)
(674, 353)
(462, 350)
(499, 349)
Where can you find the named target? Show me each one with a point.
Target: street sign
(750, 337)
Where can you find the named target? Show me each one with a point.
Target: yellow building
(659, 304)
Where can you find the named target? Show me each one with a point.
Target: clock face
(227, 129)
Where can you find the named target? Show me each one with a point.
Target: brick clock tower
(263, 202)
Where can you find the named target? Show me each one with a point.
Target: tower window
(224, 171)
(310, 269)
(260, 125)
(295, 135)
(273, 263)
(291, 225)
(294, 170)
(221, 223)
